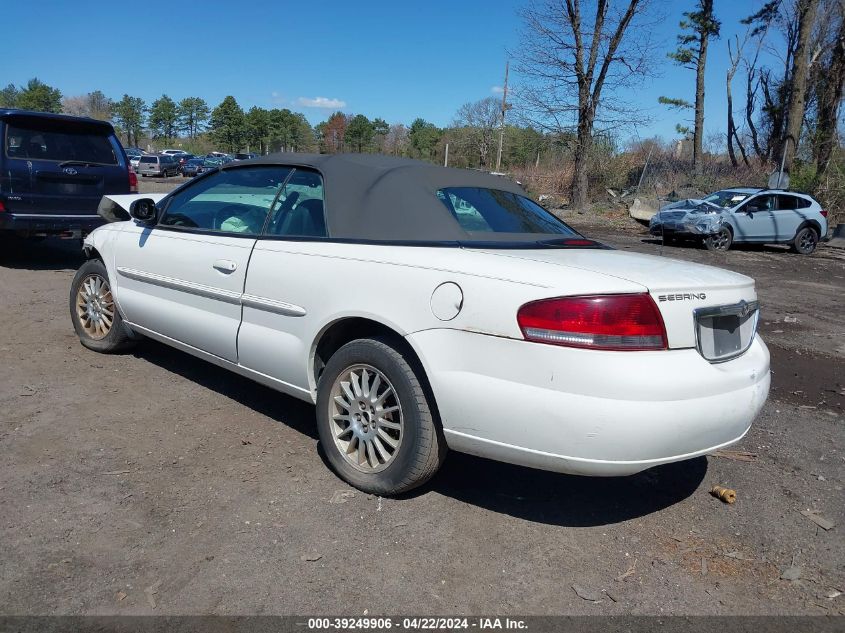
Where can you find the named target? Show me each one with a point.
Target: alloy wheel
(807, 241)
(720, 240)
(365, 418)
(95, 306)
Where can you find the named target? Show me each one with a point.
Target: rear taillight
(824, 213)
(133, 181)
(2, 207)
(609, 322)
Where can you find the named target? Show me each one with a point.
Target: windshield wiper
(76, 163)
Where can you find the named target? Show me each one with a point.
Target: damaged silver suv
(763, 216)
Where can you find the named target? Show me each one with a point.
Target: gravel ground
(156, 483)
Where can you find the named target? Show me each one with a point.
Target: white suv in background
(742, 214)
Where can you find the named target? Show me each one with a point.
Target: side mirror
(144, 210)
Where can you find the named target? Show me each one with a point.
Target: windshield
(726, 199)
(493, 211)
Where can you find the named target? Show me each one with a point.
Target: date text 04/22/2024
(418, 623)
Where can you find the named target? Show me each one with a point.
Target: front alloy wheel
(95, 306)
(93, 311)
(720, 241)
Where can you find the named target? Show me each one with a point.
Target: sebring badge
(686, 296)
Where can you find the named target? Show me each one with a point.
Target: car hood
(655, 273)
(683, 208)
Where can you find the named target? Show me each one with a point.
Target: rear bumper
(588, 412)
(49, 222)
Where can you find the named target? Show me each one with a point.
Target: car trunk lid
(686, 294)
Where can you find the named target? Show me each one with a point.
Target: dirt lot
(156, 483)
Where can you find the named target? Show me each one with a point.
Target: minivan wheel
(805, 241)
(720, 241)
(376, 424)
(94, 314)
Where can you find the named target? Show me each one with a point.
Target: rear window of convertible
(481, 210)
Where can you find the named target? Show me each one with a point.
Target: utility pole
(446, 159)
(505, 108)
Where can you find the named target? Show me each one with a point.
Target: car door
(183, 278)
(787, 217)
(276, 333)
(754, 220)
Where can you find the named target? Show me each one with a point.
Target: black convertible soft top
(375, 197)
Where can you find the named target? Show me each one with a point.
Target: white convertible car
(422, 308)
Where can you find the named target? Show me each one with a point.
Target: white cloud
(320, 102)
(497, 90)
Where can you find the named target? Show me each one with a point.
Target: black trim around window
(165, 202)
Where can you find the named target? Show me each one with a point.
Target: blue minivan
(54, 170)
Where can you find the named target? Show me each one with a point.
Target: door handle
(225, 265)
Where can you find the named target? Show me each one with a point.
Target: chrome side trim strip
(246, 300)
(190, 287)
(271, 305)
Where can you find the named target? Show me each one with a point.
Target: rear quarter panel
(389, 284)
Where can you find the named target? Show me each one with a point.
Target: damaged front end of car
(694, 218)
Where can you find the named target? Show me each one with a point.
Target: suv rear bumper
(49, 222)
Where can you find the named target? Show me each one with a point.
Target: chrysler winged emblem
(70, 171)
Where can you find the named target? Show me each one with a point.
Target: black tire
(720, 241)
(805, 242)
(422, 448)
(116, 338)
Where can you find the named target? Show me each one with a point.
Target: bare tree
(798, 81)
(574, 49)
(94, 104)
(830, 84)
(733, 136)
(478, 122)
(396, 140)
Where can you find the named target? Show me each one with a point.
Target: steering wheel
(179, 219)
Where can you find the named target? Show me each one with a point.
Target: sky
(390, 59)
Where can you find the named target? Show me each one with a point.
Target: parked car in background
(195, 167)
(745, 215)
(483, 323)
(173, 152)
(133, 161)
(245, 156)
(184, 158)
(158, 165)
(54, 169)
